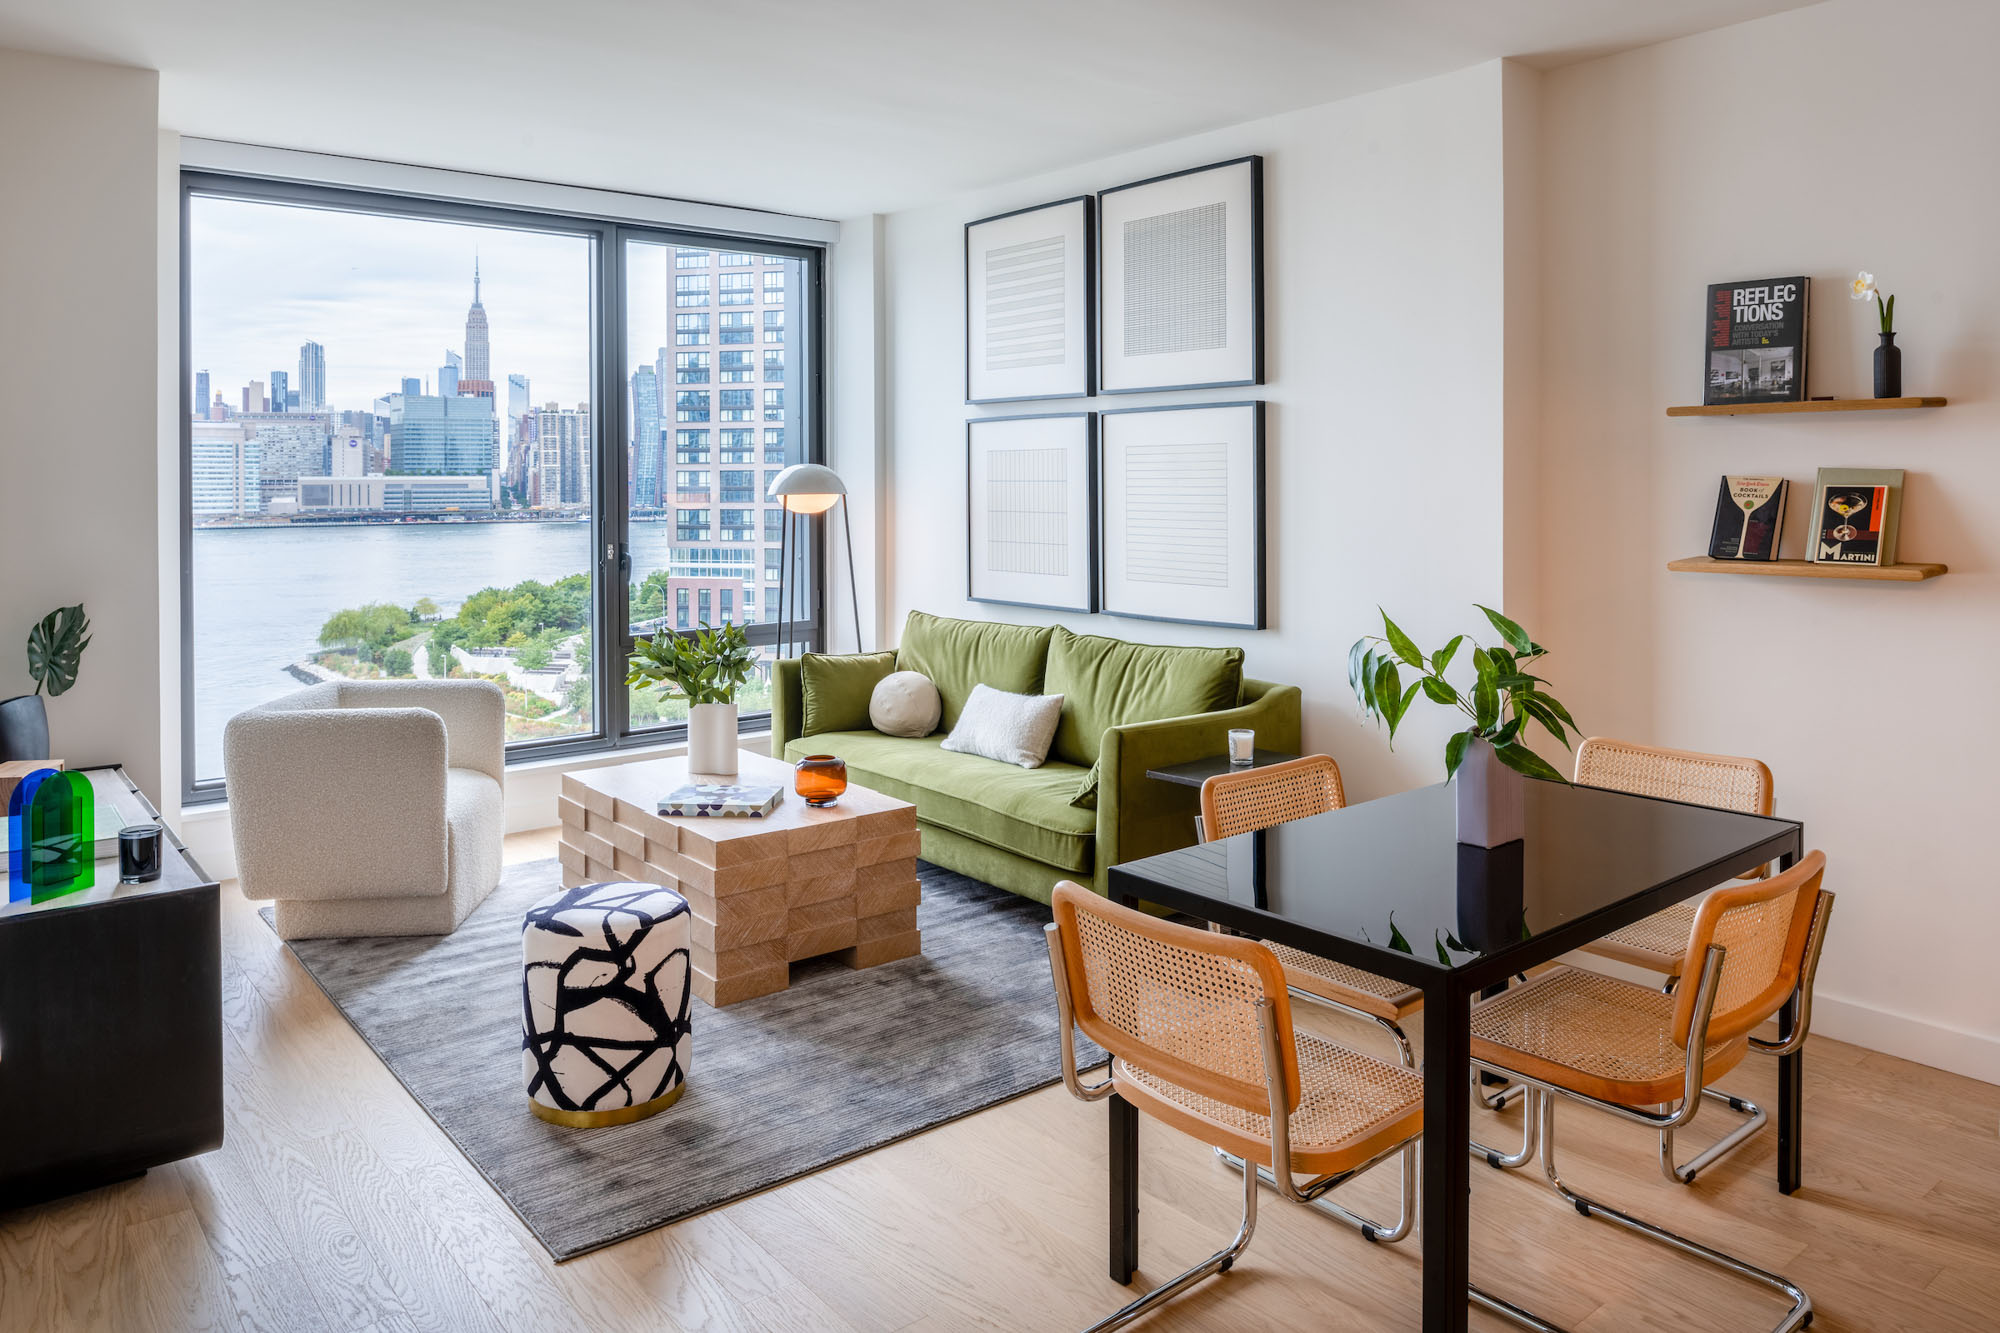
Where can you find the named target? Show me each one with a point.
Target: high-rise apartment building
(201, 394)
(312, 377)
(224, 471)
(281, 385)
(562, 457)
(645, 468)
(445, 436)
(290, 445)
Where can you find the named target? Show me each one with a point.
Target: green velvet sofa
(1127, 708)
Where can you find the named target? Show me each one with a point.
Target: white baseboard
(1955, 1050)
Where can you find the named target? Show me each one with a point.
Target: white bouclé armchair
(369, 807)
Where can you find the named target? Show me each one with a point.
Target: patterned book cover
(722, 799)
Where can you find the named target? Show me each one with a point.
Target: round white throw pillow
(905, 703)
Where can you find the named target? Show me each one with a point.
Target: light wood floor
(336, 1204)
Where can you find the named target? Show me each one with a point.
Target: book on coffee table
(751, 801)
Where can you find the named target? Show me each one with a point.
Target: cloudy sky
(387, 296)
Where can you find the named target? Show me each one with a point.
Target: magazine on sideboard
(1749, 518)
(1754, 342)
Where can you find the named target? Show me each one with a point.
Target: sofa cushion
(958, 654)
(834, 689)
(1024, 810)
(1012, 728)
(1109, 683)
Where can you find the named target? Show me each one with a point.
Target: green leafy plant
(705, 667)
(55, 648)
(1502, 700)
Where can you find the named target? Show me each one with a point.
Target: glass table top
(1391, 873)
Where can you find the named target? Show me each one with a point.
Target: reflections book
(1749, 519)
(1754, 345)
(1855, 516)
(716, 798)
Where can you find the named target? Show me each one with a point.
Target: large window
(406, 518)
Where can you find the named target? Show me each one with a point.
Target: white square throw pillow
(1013, 728)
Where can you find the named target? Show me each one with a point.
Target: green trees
(398, 662)
(366, 631)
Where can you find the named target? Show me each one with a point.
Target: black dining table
(1385, 886)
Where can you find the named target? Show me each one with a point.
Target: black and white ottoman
(604, 1003)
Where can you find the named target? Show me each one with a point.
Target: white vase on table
(712, 740)
(1492, 799)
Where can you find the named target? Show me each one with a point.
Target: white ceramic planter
(1491, 799)
(712, 740)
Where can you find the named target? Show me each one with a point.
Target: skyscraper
(253, 397)
(449, 375)
(478, 356)
(562, 456)
(224, 471)
(281, 383)
(200, 409)
(412, 388)
(312, 377)
(645, 463)
(447, 436)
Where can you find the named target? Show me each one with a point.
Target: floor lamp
(809, 489)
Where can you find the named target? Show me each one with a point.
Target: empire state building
(478, 378)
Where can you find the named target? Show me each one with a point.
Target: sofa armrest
(1138, 816)
(474, 713)
(337, 802)
(788, 705)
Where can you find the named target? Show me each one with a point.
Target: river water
(262, 593)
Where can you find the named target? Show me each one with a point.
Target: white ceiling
(821, 107)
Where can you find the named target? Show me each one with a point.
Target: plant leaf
(1388, 689)
(1523, 760)
(1442, 657)
(1516, 637)
(1550, 723)
(1550, 702)
(1452, 940)
(1440, 691)
(1443, 957)
(1507, 733)
(1403, 645)
(1357, 656)
(1454, 753)
(55, 648)
(1485, 697)
(1396, 940)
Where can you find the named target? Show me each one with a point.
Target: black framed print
(1030, 303)
(1181, 280)
(1181, 500)
(1031, 511)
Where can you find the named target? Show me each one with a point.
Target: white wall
(1384, 237)
(78, 351)
(1845, 136)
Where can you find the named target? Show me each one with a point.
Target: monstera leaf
(55, 647)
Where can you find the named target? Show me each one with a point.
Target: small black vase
(1888, 368)
(24, 728)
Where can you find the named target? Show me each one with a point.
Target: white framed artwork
(1181, 279)
(1181, 496)
(1030, 511)
(1029, 303)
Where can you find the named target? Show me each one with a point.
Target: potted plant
(705, 668)
(1489, 759)
(55, 649)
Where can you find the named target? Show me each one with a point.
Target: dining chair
(1199, 1029)
(1257, 798)
(1647, 1056)
(1725, 782)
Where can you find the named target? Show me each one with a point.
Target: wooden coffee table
(766, 893)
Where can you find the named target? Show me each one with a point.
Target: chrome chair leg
(1797, 1317)
(1396, 1033)
(1515, 1160)
(1219, 1262)
(1406, 1209)
(1722, 1147)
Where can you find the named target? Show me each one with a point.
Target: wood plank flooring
(335, 1204)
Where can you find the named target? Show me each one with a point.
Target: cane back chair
(1631, 1050)
(1199, 1029)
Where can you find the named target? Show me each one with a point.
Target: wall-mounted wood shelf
(1811, 405)
(1805, 569)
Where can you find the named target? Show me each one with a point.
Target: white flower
(1863, 286)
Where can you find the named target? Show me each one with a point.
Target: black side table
(110, 1026)
(1197, 771)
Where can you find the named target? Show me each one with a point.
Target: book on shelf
(750, 801)
(1754, 343)
(1749, 518)
(1856, 514)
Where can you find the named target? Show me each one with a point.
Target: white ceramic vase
(1491, 799)
(712, 740)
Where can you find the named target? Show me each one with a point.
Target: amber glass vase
(822, 778)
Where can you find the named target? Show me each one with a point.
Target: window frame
(610, 515)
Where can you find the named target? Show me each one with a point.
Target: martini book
(1754, 343)
(1856, 513)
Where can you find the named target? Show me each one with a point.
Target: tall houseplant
(55, 651)
(1489, 758)
(705, 668)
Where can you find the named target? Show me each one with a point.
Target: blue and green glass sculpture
(51, 836)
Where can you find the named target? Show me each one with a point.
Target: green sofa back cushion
(1108, 683)
(958, 654)
(835, 689)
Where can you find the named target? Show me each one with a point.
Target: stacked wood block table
(766, 893)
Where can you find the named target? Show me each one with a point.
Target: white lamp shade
(807, 488)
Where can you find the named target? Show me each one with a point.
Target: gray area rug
(780, 1086)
